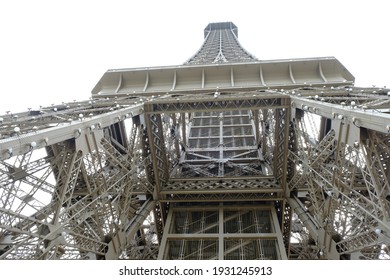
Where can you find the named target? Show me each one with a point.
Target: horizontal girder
(292, 73)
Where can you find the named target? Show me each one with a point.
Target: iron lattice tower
(224, 157)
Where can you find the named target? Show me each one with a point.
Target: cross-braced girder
(221, 141)
(340, 177)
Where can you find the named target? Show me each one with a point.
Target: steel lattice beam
(161, 159)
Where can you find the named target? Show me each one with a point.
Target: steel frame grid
(208, 223)
(346, 215)
(156, 110)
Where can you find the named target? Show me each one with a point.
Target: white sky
(54, 51)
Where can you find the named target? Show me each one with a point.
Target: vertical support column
(266, 131)
(220, 146)
(176, 140)
(157, 148)
(255, 115)
(184, 128)
(220, 233)
(164, 240)
(275, 222)
(281, 143)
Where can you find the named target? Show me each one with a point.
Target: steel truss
(225, 157)
(222, 232)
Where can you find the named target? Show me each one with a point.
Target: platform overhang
(291, 73)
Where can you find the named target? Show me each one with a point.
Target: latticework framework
(224, 157)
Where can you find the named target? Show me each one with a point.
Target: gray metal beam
(354, 116)
(21, 144)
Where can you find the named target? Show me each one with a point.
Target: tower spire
(221, 46)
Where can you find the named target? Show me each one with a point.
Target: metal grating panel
(222, 232)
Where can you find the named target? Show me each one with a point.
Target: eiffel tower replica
(225, 157)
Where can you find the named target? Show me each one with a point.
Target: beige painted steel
(291, 73)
